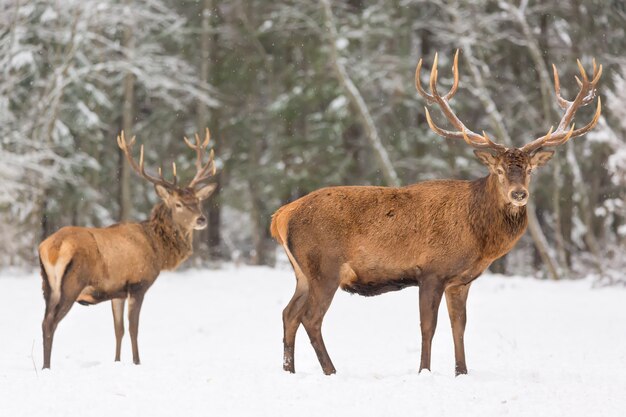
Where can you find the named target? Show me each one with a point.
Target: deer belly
(93, 295)
(375, 282)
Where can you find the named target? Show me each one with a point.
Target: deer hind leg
(430, 294)
(47, 326)
(58, 307)
(292, 317)
(456, 299)
(117, 305)
(317, 305)
(292, 314)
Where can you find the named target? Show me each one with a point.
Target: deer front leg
(134, 307)
(456, 299)
(430, 294)
(117, 305)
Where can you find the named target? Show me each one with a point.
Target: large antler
(126, 147)
(586, 95)
(203, 171)
(472, 138)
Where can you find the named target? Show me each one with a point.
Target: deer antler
(471, 138)
(126, 147)
(586, 95)
(203, 171)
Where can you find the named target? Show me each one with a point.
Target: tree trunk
(559, 240)
(260, 218)
(356, 99)
(540, 241)
(51, 106)
(209, 72)
(125, 200)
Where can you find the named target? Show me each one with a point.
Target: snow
(211, 344)
(22, 59)
(342, 43)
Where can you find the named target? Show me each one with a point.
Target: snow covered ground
(211, 345)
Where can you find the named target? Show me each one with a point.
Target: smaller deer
(91, 265)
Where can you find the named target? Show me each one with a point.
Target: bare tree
(355, 97)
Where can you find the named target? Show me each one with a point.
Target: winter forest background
(299, 95)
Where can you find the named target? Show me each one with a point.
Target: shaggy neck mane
(496, 223)
(170, 241)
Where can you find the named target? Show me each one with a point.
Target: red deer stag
(91, 265)
(439, 235)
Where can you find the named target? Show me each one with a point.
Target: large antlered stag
(439, 235)
(91, 265)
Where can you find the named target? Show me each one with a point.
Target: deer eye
(179, 205)
(500, 171)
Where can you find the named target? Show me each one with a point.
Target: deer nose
(201, 221)
(519, 195)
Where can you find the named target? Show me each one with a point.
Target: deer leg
(429, 300)
(54, 314)
(456, 299)
(48, 327)
(48, 320)
(134, 307)
(316, 307)
(56, 310)
(117, 305)
(292, 316)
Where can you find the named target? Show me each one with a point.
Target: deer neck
(172, 243)
(496, 223)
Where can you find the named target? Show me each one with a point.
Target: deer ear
(485, 157)
(162, 192)
(204, 192)
(540, 158)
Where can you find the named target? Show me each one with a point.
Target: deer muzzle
(519, 197)
(201, 223)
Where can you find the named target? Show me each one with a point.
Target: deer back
(120, 253)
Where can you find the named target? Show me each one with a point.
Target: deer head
(185, 202)
(513, 166)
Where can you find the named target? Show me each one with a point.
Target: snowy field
(211, 345)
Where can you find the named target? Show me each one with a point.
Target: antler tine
(470, 137)
(191, 145)
(199, 152)
(443, 132)
(198, 148)
(207, 137)
(206, 172)
(203, 171)
(586, 95)
(593, 123)
(139, 168)
(433, 76)
(557, 89)
(583, 73)
(556, 140)
(418, 84)
(455, 71)
(596, 76)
